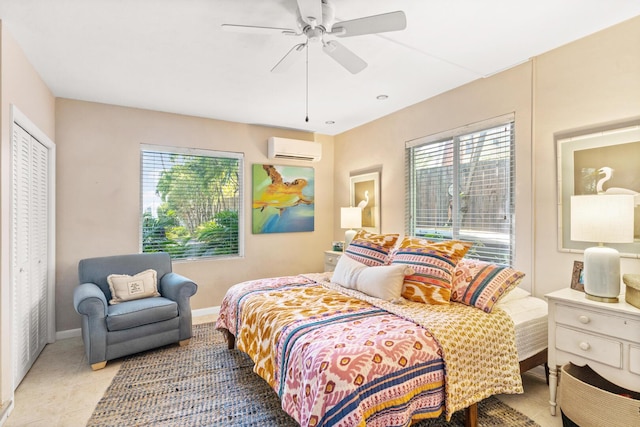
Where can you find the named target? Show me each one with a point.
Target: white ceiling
(171, 55)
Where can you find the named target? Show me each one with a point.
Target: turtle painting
(282, 199)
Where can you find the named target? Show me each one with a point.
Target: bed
(340, 355)
(530, 318)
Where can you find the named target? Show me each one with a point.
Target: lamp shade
(602, 218)
(350, 217)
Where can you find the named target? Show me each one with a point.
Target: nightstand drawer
(331, 259)
(599, 322)
(634, 359)
(589, 346)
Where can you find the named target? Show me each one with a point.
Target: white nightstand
(605, 336)
(331, 259)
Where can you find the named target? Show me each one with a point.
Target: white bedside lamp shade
(602, 219)
(350, 218)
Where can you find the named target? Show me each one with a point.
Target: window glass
(461, 187)
(191, 202)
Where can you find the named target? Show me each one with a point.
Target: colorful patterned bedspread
(336, 359)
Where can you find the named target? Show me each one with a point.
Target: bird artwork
(366, 203)
(608, 174)
(363, 203)
(282, 199)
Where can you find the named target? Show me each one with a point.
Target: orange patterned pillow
(371, 249)
(482, 284)
(433, 263)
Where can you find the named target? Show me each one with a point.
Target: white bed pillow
(347, 271)
(384, 282)
(514, 294)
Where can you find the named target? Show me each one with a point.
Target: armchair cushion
(131, 314)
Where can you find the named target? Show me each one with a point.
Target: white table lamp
(602, 219)
(350, 218)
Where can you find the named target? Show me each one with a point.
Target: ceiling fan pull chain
(306, 119)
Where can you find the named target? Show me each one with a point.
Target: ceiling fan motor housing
(314, 34)
(315, 29)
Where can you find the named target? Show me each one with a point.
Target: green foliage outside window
(191, 204)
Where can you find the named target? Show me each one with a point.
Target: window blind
(191, 202)
(460, 186)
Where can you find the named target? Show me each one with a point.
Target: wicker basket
(632, 290)
(588, 400)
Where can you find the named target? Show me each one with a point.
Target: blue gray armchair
(113, 331)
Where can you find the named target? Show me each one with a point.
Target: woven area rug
(205, 384)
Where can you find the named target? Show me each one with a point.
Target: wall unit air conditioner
(294, 149)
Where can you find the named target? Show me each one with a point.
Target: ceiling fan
(315, 20)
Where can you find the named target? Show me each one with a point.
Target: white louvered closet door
(29, 249)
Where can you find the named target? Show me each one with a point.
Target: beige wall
(98, 196)
(382, 143)
(592, 82)
(588, 83)
(21, 86)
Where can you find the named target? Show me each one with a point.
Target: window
(191, 202)
(460, 186)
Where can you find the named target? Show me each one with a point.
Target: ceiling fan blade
(343, 56)
(251, 29)
(392, 21)
(311, 11)
(292, 56)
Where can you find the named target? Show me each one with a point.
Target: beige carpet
(205, 384)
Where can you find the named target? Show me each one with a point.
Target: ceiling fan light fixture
(314, 34)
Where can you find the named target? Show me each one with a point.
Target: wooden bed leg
(471, 416)
(231, 340)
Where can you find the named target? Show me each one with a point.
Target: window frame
(196, 152)
(453, 137)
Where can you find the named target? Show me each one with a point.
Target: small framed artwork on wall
(365, 193)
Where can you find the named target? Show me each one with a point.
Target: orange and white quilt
(336, 359)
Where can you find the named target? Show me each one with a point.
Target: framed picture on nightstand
(577, 278)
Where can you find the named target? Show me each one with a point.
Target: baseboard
(209, 311)
(5, 411)
(69, 333)
(73, 333)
